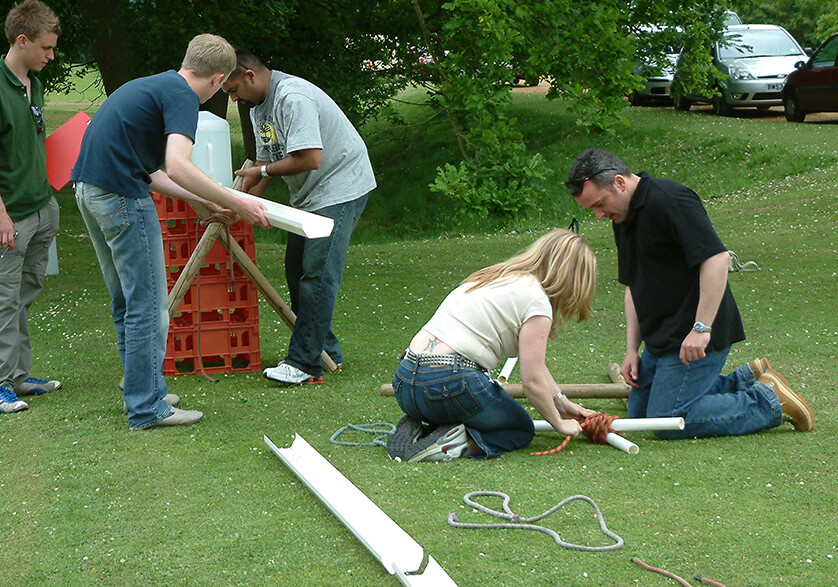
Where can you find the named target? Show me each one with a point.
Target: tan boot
(760, 366)
(795, 409)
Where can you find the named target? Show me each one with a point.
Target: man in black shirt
(679, 304)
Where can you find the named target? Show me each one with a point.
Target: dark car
(813, 86)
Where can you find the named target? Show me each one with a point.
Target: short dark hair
(31, 18)
(246, 60)
(596, 165)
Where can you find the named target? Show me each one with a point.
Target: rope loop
(383, 430)
(595, 427)
(521, 523)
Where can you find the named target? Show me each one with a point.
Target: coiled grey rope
(733, 264)
(383, 429)
(520, 523)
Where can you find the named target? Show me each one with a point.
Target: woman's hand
(568, 427)
(569, 409)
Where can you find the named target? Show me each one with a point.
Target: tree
(799, 17)
(363, 52)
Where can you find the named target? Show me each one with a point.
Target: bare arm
(7, 228)
(631, 363)
(296, 162)
(712, 284)
(538, 384)
(186, 175)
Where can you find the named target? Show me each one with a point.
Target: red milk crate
(217, 323)
(223, 348)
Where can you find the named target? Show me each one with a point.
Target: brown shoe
(795, 409)
(760, 366)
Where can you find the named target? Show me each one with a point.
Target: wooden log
(572, 390)
(613, 370)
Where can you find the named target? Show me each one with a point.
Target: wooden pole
(572, 390)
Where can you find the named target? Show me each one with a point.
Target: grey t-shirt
(298, 115)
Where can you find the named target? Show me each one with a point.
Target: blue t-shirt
(126, 140)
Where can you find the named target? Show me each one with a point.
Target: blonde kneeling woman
(454, 407)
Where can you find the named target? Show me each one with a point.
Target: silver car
(756, 58)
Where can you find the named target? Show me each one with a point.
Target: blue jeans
(22, 272)
(710, 403)
(314, 270)
(459, 395)
(129, 245)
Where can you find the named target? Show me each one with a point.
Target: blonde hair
(209, 54)
(31, 18)
(563, 264)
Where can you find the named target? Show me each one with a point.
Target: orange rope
(595, 428)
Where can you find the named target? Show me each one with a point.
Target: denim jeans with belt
(22, 272)
(314, 270)
(710, 403)
(460, 395)
(129, 245)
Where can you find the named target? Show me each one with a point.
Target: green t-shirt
(24, 186)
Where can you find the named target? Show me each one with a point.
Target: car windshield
(757, 43)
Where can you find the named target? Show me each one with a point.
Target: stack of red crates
(217, 323)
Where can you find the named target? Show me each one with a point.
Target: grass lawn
(84, 501)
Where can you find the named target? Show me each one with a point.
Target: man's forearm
(712, 285)
(633, 338)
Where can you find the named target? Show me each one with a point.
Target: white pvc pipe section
(628, 424)
(632, 424)
(623, 443)
(506, 371)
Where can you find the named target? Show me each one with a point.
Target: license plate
(775, 87)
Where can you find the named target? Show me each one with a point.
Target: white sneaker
(35, 386)
(10, 402)
(445, 443)
(289, 375)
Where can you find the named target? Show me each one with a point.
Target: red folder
(63, 148)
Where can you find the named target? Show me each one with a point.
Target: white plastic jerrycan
(211, 152)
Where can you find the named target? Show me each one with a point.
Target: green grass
(83, 501)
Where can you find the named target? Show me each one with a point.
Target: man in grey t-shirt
(303, 136)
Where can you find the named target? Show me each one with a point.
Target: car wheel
(721, 107)
(681, 103)
(792, 108)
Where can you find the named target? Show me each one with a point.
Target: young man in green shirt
(28, 210)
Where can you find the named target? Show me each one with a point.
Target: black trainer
(407, 431)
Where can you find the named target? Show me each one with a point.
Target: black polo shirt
(661, 245)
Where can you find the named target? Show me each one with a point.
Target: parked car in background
(755, 58)
(656, 86)
(731, 18)
(813, 86)
(657, 73)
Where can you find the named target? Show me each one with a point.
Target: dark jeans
(454, 395)
(710, 403)
(314, 270)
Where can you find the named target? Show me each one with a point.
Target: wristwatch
(559, 395)
(265, 170)
(701, 327)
